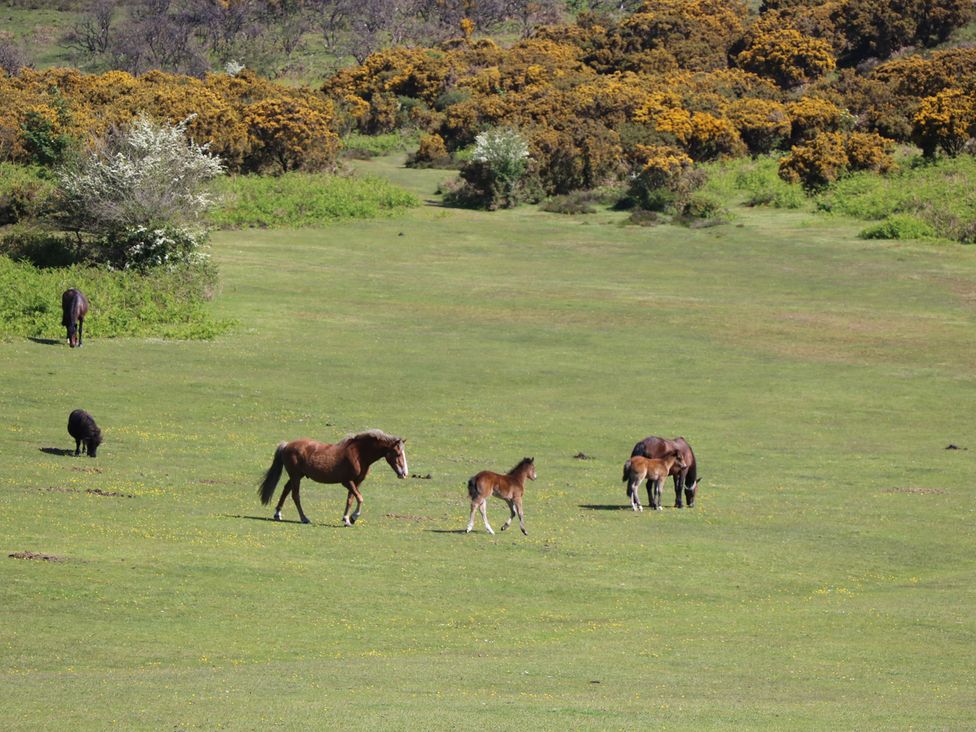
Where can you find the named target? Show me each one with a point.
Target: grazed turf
(824, 580)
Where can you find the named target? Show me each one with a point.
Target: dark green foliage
(25, 193)
(899, 226)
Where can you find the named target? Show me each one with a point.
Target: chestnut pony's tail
(267, 486)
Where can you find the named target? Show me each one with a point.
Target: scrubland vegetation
(746, 223)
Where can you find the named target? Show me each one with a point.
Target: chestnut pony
(508, 487)
(345, 462)
(655, 470)
(74, 308)
(687, 478)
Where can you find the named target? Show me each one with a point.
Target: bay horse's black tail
(267, 486)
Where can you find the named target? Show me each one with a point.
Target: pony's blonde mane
(375, 434)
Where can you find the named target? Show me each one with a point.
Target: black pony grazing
(82, 427)
(74, 308)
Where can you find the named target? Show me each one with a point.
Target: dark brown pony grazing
(508, 487)
(655, 470)
(81, 426)
(686, 478)
(74, 308)
(345, 462)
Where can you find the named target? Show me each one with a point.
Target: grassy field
(824, 580)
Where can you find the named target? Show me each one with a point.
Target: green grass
(304, 199)
(824, 581)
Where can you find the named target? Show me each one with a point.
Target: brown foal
(508, 487)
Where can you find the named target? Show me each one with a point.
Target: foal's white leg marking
(484, 515)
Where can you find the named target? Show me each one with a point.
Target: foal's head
(679, 460)
(396, 456)
(527, 467)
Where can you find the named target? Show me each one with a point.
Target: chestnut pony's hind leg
(298, 502)
(281, 501)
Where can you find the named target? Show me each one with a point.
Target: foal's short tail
(626, 472)
(472, 488)
(267, 487)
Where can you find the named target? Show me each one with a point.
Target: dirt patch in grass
(38, 555)
(89, 491)
(917, 491)
(407, 517)
(88, 470)
(107, 494)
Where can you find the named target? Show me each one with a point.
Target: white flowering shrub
(497, 166)
(141, 195)
(505, 152)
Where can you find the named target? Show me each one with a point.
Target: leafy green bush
(24, 192)
(899, 226)
(306, 199)
(40, 246)
(164, 303)
(939, 193)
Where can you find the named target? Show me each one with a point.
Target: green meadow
(824, 580)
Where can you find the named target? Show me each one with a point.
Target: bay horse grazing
(655, 470)
(345, 462)
(685, 479)
(509, 487)
(81, 426)
(74, 308)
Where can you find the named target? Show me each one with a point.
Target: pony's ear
(531, 460)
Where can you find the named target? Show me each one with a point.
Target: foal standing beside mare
(345, 462)
(655, 470)
(509, 487)
(686, 478)
(74, 308)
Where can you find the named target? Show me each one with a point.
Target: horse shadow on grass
(56, 451)
(604, 507)
(446, 531)
(45, 341)
(281, 521)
